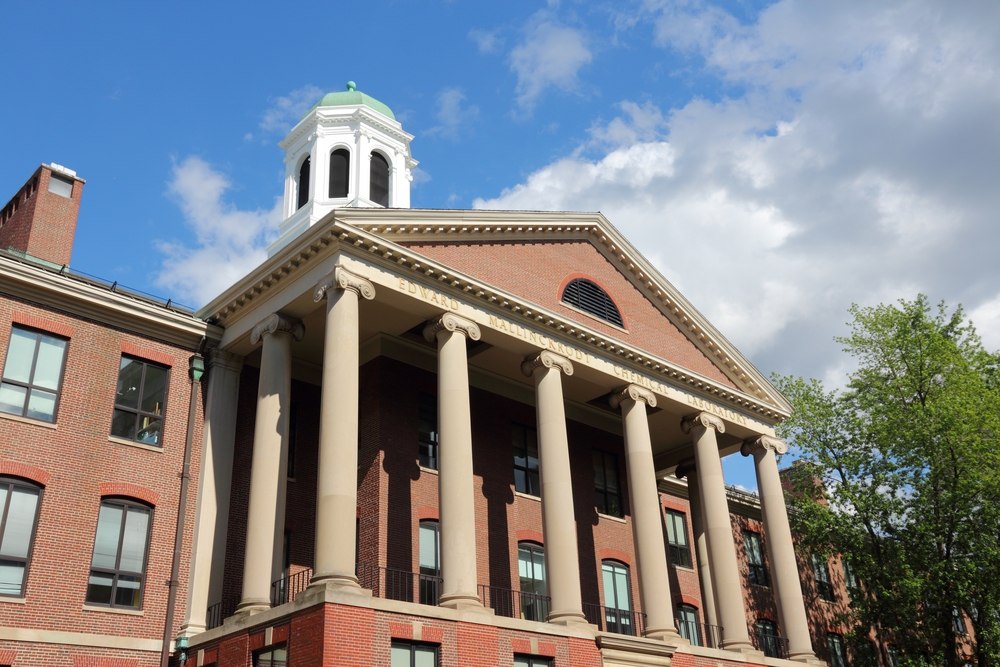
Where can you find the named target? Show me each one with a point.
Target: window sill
(138, 445)
(430, 471)
(527, 495)
(688, 568)
(13, 600)
(611, 518)
(27, 420)
(112, 610)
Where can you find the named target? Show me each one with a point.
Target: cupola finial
(352, 86)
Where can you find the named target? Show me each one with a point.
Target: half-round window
(588, 297)
(340, 173)
(379, 183)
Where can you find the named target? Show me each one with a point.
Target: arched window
(19, 511)
(768, 640)
(340, 172)
(687, 624)
(531, 570)
(379, 181)
(430, 562)
(617, 598)
(835, 644)
(118, 568)
(591, 299)
(304, 182)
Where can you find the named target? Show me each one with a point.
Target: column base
(567, 618)
(463, 602)
(337, 583)
(807, 657)
(669, 635)
(190, 630)
(250, 607)
(744, 647)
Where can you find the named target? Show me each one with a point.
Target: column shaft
(456, 492)
(270, 440)
(208, 548)
(558, 517)
(725, 571)
(337, 474)
(701, 551)
(647, 514)
(780, 549)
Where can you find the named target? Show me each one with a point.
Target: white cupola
(348, 150)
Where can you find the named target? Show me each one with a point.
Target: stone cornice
(762, 443)
(703, 419)
(341, 278)
(451, 322)
(546, 359)
(632, 392)
(323, 117)
(51, 289)
(335, 232)
(278, 323)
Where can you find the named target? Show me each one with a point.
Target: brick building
(429, 438)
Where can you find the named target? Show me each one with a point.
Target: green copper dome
(352, 97)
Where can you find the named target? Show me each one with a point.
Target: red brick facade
(39, 222)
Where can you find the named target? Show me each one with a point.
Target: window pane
(423, 656)
(149, 430)
(20, 352)
(20, 521)
(109, 525)
(41, 405)
(609, 585)
(134, 542)
(123, 424)
(611, 473)
(129, 378)
(99, 588)
(127, 593)
(49, 364)
(11, 577)
(12, 398)
(400, 656)
(520, 661)
(428, 548)
(621, 586)
(154, 390)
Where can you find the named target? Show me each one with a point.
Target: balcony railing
(220, 611)
(515, 604)
(391, 584)
(700, 634)
(285, 589)
(772, 646)
(618, 621)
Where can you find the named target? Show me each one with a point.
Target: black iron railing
(618, 621)
(772, 646)
(220, 611)
(515, 604)
(285, 589)
(700, 634)
(392, 584)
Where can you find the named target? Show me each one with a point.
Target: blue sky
(777, 161)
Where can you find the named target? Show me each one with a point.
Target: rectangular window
(408, 654)
(680, 550)
(118, 567)
(609, 496)
(822, 573)
(755, 558)
(526, 460)
(428, 431)
(139, 402)
(32, 375)
(892, 655)
(61, 185)
(531, 661)
(272, 656)
(958, 620)
(850, 579)
(18, 517)
(835, 643)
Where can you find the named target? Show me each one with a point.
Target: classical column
(211, 523)
(558, 517)
(725, 571)
(700, 542)
(456, 494)
(780, 550)
(647, 514)
(270, 442)
(337, 474)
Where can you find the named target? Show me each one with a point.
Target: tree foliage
(908, 457)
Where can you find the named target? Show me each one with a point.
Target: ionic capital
(632, 392)
(341, 278)
(451, 322)
(703, 419)
(685, 468)
(547, 360)
(278, 323)
(761, 443)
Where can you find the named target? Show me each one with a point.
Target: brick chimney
(40, 220)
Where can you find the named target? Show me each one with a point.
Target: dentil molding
(275, 323)
(632, 392)
(451, 322)
(341, 278)
(546, 359)
(703, 420)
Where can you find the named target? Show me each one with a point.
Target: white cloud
(551, 55)
(453, 115)
(853, 160)
(287, 110)
(487, 41)
(419, 176)
(230, 242)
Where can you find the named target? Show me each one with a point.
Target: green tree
(900, 473)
